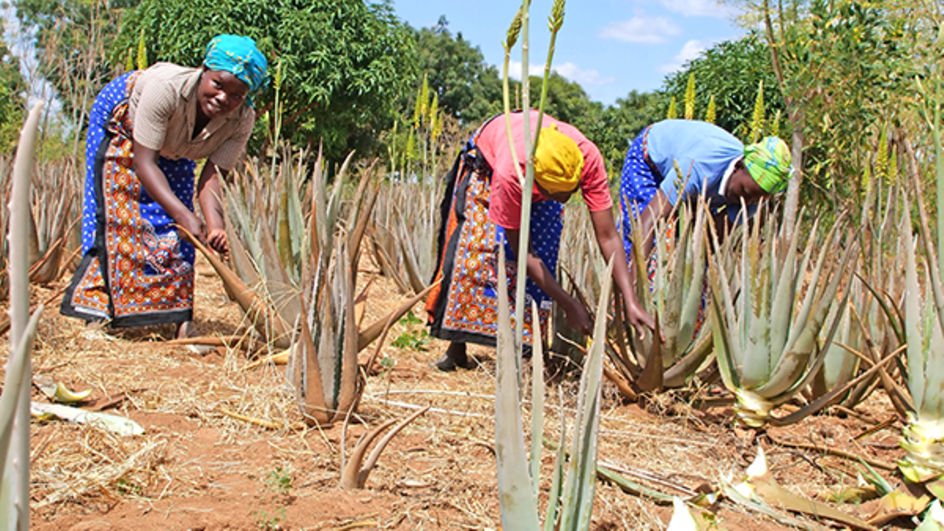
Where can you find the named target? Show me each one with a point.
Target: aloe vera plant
(681, 345)
(843, 356)
(54, 218)
(570, 500)
(865, 334)
(402, 221)
(766, 339)
(923, 436)
(15, 401)
(295, 253)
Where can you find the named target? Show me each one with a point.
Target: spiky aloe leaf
(802, 356)
(694, 277)
(14, 493)
(674, 296)
(722, 317)
(16, 377)
(283, 234)
(839, 365)
(557, 479)
(354, 475)
(577, 496)
(922, 355)
(306, 374)
(768, 351)
(266, 320)
(349, 383)
(519, 509)
(279, 288)
(537, 398)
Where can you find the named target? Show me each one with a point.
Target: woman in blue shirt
(676, 160)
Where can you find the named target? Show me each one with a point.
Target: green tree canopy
(345, 63)
(731, 71)
(469, 89)
(12, 99)
(849, 65)
(567, 101)
(622, 121)
(72, 37)
(844, 69)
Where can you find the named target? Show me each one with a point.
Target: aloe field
(793, 378)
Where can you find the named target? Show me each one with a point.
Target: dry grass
(198, 467)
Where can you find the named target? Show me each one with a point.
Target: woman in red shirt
(482, 207)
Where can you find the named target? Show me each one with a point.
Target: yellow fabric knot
(558, 161)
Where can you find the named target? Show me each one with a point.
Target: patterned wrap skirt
(464, 307)
(135, 269)
(639, 182)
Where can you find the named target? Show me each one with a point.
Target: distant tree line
(348, 72)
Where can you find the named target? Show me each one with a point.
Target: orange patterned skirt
(135, 269)
(464, 307)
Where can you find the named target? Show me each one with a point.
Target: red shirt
(505, 199)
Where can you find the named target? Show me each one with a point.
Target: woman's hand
(639, 318)
(218, 241)
(577, 316)
(190, 222)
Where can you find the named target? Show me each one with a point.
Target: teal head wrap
(239, 56)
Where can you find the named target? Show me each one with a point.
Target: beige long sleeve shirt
(163, 110)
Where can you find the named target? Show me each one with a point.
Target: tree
(622, 121)
(72, 37)
(12, 99)
(469, 89)
(566, 101)
(730, 72)
(841, 67)
(345, 63)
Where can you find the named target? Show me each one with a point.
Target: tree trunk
(792, 202)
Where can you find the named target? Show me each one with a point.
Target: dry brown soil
(197, 468)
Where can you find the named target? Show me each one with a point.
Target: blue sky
(608, 46)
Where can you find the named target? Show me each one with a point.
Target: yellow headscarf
(558, 161)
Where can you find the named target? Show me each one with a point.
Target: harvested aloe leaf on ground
(112, 423)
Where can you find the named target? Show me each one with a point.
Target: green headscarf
(768, 162)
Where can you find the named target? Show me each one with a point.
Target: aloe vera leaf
(581, 469)
(519, 508)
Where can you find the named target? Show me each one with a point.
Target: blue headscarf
(239, 56)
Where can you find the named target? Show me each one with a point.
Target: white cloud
(642, 29)
(514, 70)
(701, 8)
(569, 71)
(690, 50)
(588, 77)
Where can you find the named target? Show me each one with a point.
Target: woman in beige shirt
(146, 129)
